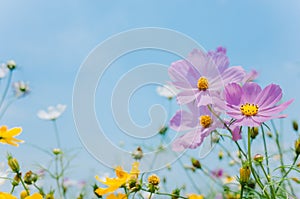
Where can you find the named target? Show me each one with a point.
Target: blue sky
(50, 39)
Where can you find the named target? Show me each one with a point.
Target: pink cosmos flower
(250, 106)
(202, 76)
(197, 122)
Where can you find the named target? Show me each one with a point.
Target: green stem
(283, 171)
(285, 175)
(250, 164)
(242, 191)
(166, 194)
(22, 182)
(38, 188)
(56, 134)
(266, 150)
(57, 177)
(227, 127)
(12, 189)
(150, 195)
(268, 179)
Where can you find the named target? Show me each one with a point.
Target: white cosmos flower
(3, 173)
(3, 71)
(167, 91)
(21, 88)
(52, 112)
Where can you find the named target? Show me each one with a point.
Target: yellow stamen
(202, 84)
(249, 109)
(205, 121)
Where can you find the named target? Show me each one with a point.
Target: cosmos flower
(198, 124)
(167, 91)
(52, 112)
(4, 195)
(21, 88)
(202, 76)
(7, 135)
(114, 183)
(250, 106)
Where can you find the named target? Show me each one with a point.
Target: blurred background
(49, 40)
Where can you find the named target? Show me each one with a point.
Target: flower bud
(297, 146)
(16, 180)
(258, 158)
(254, 132)
(138, 154)
(153, 179)
(163, 130)
(13, 164)
(295, 125)
(269, 134)
(220, 155)
(30, 178)
(56, 151)
(23, 194)
(244, 174)
(11, 64)
(50, 195)
(175, 193)
(196, 163)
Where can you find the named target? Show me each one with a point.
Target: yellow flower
(4, 195)
(35, 196)
(7, 136)
(23, 194)
(115, 183)
(153, 179)
(195, 196)
(118, 196)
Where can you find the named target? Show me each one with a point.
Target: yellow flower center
(205, 121)
(202, 84)
(249, 109)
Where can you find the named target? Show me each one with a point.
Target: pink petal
(251, 91)
(183, 120)
(233, 93)
(186, 96)
(191, 140)
(269, 96)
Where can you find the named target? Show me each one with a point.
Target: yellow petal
(13, 132)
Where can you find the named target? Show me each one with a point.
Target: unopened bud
(16, 180)
(11, 64)
(30, 178)
(13, 164)
(258, 158)
(138, 154)
(295, 125)
(175, 193)
(163, 130)
(297, 146)
(220, 155)
(56, 151)
(254, 132)
(244, 174)
(269, 134)
(196, 163)
(23, 194)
